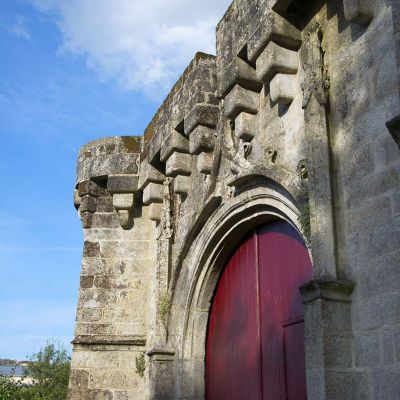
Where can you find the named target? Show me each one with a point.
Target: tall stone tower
(286, 139)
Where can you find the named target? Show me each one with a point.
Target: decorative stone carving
(271, 155)
(302, 169)
(236, 152)
(165, 228)
(315, 86)
(315, 79)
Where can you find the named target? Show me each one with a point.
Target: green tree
(49, 371)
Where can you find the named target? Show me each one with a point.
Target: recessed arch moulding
(201, 268)
(269, 128)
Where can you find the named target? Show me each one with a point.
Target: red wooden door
(255, 339)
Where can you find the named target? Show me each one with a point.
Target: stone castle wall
(295, 118)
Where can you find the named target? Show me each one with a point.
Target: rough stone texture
(201, 139)
(283, 88)
(179, 164)
(159, 222)
(276, 59)
(244, 128)
(239, 100)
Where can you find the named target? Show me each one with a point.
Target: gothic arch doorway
(255, 333)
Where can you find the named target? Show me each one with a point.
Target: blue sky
(72, 71)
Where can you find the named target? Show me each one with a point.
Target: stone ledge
(161, 354)
(327, 289)
(109, 340)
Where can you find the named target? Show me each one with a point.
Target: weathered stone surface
(182, 185)
(123, 200)
(149, 174)
(241, 100)
(179, 164)
(283, 88)
(175, 141)
(153, 193)
(327, 164)
(109, 156)
(91, 249)
(122, 183)
(360, 11)
(201, 139)
(276, 59)
(88, 204)
(201, 114)
(244, 126)
(88, 188)
(155, 211)
(205, 162)
(239, 73)
(272, 27)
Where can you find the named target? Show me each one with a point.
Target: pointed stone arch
(200, 271)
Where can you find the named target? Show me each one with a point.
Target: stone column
(161, 373)
(328, 339)
(327, 300)
(161, 357)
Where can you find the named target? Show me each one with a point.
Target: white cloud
(143, 45)
(20, 28)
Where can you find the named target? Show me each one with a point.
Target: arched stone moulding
(201, 268)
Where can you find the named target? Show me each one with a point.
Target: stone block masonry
(295, 118)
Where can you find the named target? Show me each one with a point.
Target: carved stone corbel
(236, 151)
(123, 189)
(123, 204)
(85, 198)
